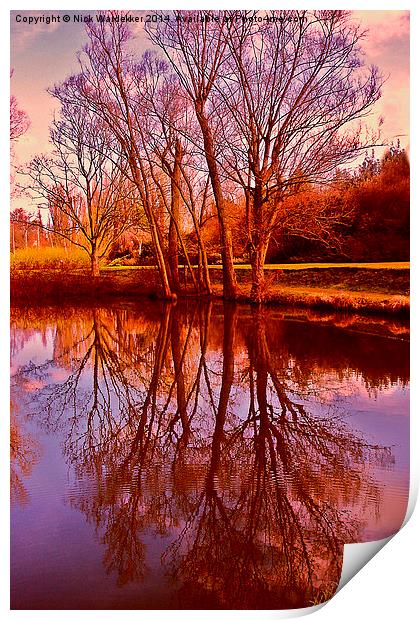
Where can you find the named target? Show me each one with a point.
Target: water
(200, 456)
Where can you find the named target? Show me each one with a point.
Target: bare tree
(171, 136)
(107, 85)
(279, 101)
(294, 94)
(89, 200)
(164, 150)
(196, 50)
(19, 120)
(138, 102)
(258, 109)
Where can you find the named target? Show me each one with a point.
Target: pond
(200, 456)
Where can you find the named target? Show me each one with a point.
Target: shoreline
(361, 289)
(333, 299)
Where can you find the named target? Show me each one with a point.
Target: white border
(388, 586)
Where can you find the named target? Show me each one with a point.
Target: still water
(199, 457)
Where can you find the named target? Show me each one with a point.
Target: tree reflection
(24, 453)
(277, 537)
(201, 427)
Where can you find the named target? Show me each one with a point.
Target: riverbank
(366, 288)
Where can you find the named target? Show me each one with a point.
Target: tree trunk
(162, 267)
(203, 271)
(154, 231)
(257, 270)
(94, 262)
(174, 222)
(229, 276)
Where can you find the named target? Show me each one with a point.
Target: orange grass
(46, 258)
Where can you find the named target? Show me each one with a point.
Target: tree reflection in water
(211, 428)
(24, 453)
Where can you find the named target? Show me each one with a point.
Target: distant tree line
(377, 224)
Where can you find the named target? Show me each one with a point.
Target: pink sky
(44, 54)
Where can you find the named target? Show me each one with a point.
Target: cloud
(23, 35)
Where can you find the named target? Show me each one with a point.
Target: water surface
(199, 456)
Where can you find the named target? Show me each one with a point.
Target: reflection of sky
(37, 548)
(383, 417)
(34, 350)
(41, 526)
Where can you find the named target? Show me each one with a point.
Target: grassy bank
(365, 288)
(47, 259)
(331, 298)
